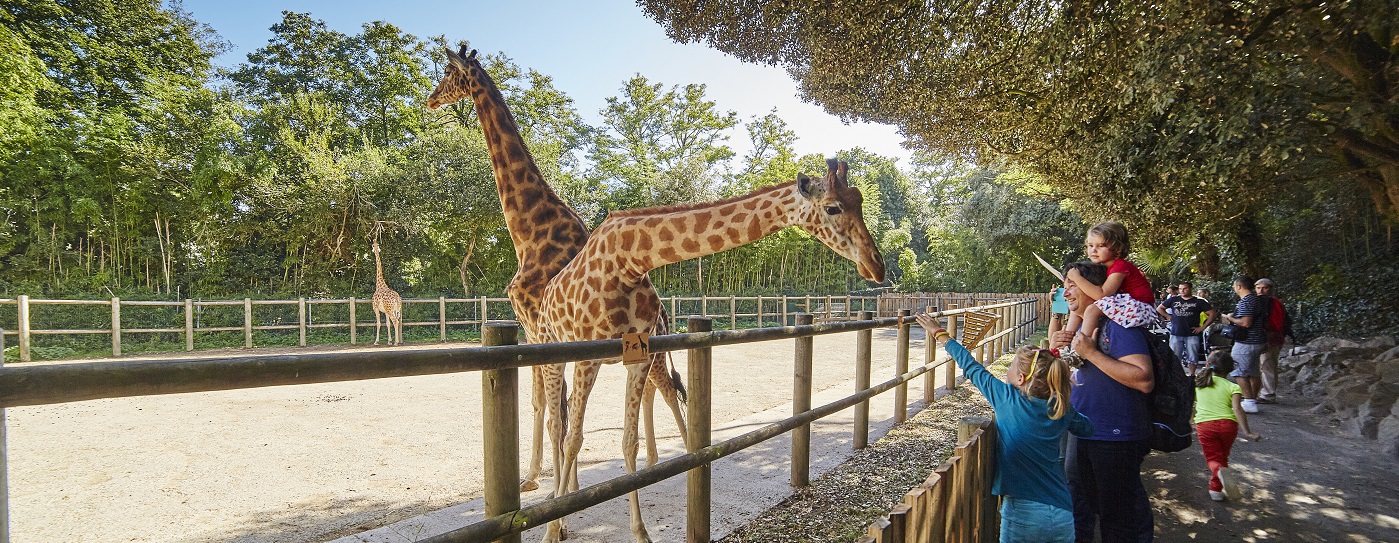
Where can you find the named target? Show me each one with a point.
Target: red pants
(1216, 438)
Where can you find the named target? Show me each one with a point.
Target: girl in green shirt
(1219, 414)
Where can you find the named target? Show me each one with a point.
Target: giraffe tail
(663, 328)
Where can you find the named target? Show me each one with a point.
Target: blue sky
(590, 48)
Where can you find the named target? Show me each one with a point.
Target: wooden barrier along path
(59, 383)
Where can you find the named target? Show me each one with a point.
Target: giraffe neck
(530, 205)
(643, 240)
(379, 283)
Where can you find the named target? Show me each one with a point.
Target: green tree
(1119, 107)
(660, 146)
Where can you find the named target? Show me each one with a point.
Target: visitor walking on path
(1249, 341)
(1276, 330)
(1186, 327)
(1219, 415)
(1032, 413)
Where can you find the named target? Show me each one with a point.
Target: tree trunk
(1251, 247)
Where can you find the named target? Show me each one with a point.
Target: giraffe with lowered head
(546, 234)
(386, 301)
(603, 292)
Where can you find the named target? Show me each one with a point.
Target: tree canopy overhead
(1122, 107)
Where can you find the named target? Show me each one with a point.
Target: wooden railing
(61, 383)
(186, 317)
(955, 503)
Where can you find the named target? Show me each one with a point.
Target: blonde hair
(1046, 377)
(1115, 235)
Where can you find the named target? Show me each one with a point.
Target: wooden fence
(186, 317)
(955, 503)
(61, 383)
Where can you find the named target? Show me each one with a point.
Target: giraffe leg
(636, 382)
(376, 326)
(398, 326)
(554, 404)
(661, 378)
(530, 482)
(648, 416)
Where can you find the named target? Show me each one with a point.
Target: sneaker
(1267, 401)
(1216, 495)
(1231, 486)
(1250, 406)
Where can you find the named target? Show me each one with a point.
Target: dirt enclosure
(319, 462)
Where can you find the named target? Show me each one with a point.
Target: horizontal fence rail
(192, 318)
(27, 385)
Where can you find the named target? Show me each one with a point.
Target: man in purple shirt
(1111, 390)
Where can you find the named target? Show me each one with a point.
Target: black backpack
(1172, 400)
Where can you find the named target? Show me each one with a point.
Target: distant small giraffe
(602, 293)
(388, 302)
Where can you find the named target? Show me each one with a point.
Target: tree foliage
(1119, 107)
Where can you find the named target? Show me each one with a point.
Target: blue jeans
(1187, 348)
(1105, 479)
(1026, 521)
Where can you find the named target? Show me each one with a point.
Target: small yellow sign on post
(636, 348)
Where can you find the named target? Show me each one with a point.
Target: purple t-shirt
(1118, 412)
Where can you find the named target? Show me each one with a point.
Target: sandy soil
(318, 462)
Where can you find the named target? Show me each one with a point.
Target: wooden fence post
(500, 428)
(801, 403)
(353, 329)
(484, 318)
(301, 320)
(760, 311)
(697, 481)
(4, 462)
(442, 315)
(848, 311)
(929, 356)
(116, 327)
(189, 324)
(733, 313)
(704, 305)
(674, 316)
(784, 311)
(951, 367)
(248, 322)
(864, 341)
(901, 367)
(23, 328)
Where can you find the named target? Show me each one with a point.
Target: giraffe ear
(811, 188)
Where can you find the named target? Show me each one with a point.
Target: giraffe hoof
(527, 485)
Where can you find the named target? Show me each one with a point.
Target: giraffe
(386, 301)
(546, 234)
(602, 292)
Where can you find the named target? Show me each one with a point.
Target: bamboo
(500, 429)
(189, 324)
(116, 327)
(801, 402)
(901, 367)
(863, 348)
(697, 481)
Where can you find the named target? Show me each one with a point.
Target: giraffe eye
(832, 210)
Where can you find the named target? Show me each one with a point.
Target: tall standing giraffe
(386, 301)
(603, 292)
(546, 234)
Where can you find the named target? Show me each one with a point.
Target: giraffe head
(455, 85)
(834, 214)
(376, 247)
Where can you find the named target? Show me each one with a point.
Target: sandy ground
(320, 462)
